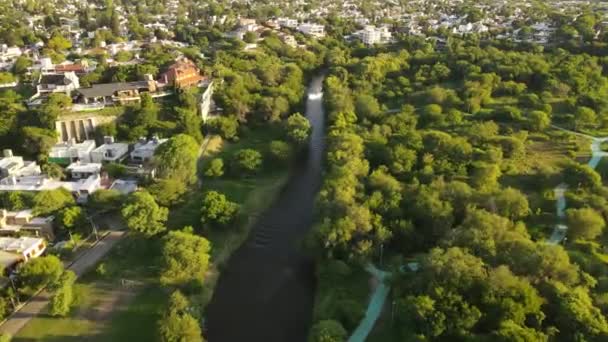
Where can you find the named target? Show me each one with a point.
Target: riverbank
(267, 286)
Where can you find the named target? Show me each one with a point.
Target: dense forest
(446, 158)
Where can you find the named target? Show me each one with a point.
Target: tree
(185, 258)
(48, 202)
(584, 117)
(143, 214)
(63, 297)
(485, 176)
(40, 271)
(189, 122)
(71, 217)
(512, 203)
(147, 115)
(581, 176)
(432, 115)
(38, 141)
(585, 223)
(10, 107)
(177, 324)
(402, 159)
(280, 151)
(50, 111)
(177, 158)
(226, 126)
(250, 37)
(298, 129)
(59, 43)
(167, 192)
(247, 161)
(327, 331)
(215, 168)
(367, 107)
(538, 120)
(104, 200)
(217, 210)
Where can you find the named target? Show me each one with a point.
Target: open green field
(105, 309)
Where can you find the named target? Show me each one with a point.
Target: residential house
(57, 83)
(80, 189)
(16, 166)
(288, 22)
(143, 151)
(372, 35)
(23, 222)
(17, 250)
(79, 170)
(119, 93)
(314, 30)
(110, 151)
(68, 152)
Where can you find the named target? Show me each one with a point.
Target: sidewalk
(37, 303)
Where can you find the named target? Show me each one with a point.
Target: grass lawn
(71, 328)
(137, 321)
(104, 309)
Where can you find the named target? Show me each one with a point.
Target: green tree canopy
(185, 258)
(143, 214)
(585, 223)
(247, 161)
(177, 158)
(40, 271)
(327, 331)
(177, 324)
(298, 128)
(217, 210)
(63, 297)
(50, 201)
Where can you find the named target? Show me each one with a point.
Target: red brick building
(182, 74)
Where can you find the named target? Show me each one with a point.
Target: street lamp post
(381, 253)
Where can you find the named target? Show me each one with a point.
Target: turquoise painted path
(374, 308)
(560, 230)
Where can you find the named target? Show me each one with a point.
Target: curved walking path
(374, 308)
(560, 230)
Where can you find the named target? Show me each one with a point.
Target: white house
(80, 189)
(69, 152)
(82, 171)
(287, 22)
(372, 35)
(110, 151)
(16, 166)
(314, 30)
(143, 150)
(15, 250)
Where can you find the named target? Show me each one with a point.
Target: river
(266, 291)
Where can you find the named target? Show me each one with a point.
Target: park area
(121, 298)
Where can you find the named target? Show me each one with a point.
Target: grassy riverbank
(110, 304)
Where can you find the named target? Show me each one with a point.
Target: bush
(280, 151)
(215, 168)
(247, 161)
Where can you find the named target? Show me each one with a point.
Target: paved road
(35, 305)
